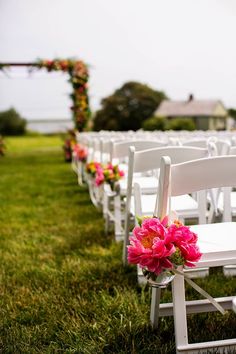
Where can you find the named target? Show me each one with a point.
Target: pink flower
(121, 173)
(150, 246)
(80, 152)
(182, 233)
(99, 177)
(190, 252)
(92, 168)
(183, 238)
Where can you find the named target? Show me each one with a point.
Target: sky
(179, 47)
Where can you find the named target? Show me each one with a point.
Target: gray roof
(189, 108)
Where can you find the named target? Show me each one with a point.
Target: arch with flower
(78, 78)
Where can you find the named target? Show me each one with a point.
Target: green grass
(63, 288)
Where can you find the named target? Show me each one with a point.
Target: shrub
(154, 123)
(11, 123)
(181, 124)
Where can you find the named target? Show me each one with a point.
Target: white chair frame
(143, 161)
(219, 172)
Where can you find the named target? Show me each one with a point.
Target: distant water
(50, 125)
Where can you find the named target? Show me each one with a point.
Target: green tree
(11, 123)
(232, 112)
(128, 107)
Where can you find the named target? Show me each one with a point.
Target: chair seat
(217, 242)
(148, 184)
(184, 205)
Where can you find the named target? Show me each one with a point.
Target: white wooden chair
(217, 241)
(143, 161)
(228, 212)
(113, 203)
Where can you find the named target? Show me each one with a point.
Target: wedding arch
(78, 78)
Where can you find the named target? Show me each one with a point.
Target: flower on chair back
(160, 248)
(92, 167)
(157, 246)
(104, 173)
(80, 152)
(112, 174)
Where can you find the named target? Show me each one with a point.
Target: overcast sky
(180, 47)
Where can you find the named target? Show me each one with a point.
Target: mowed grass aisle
(63, 288)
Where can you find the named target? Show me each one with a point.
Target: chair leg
(106, 224)
(179, 311)
(117, 214)
(234, 304)
(126, 237)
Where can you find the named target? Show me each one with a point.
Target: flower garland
(69, 143)
(78, 77)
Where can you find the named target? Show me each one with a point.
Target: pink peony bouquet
(80, 152)
(157, 246)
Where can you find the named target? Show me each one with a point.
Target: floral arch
(78, 78)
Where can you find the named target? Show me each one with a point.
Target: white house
(206, 114)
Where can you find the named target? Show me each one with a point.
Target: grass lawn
(63, 288)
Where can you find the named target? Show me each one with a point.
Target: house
(206, 114)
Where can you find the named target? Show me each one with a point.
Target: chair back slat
(121, 149)
(151, 159)
(192, 176)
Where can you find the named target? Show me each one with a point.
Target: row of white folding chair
(222, 145)
(182, 135)
(174, 138)
(109, 150)
(112, 204)
(100, 149)
(217, 242)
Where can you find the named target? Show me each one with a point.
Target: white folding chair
(217, 242)
(143, 161)
(113, 203)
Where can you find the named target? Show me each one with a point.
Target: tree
(11, 123)
(128, 107)
(232, 112)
